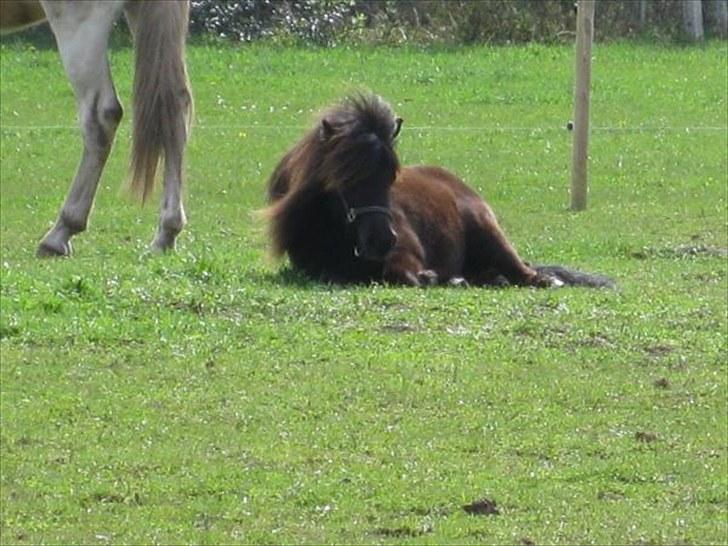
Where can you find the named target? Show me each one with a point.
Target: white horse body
(162, 101)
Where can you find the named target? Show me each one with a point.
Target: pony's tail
(162, 96)
(571, 277)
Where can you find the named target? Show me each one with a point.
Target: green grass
(206, 397)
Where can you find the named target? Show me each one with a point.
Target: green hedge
(330, 22)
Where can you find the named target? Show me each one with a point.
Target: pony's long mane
(347, 145)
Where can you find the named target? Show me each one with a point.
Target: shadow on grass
(289, 277)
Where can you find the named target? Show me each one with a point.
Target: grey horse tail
(162, 96)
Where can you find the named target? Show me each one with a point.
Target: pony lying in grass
(344, 210)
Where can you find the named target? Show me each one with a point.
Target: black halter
(352, 213)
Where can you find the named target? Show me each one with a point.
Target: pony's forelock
(357, 141)
(361, 113)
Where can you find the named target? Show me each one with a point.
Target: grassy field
(211, 397)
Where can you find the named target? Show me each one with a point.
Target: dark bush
(328, 22)
(311, 21)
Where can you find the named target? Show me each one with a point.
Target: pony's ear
(327, 130)
(397, 127)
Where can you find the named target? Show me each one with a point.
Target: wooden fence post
(643, 15)
(584, 37)
(693, 19)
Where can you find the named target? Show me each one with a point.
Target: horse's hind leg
(82, 30)
(489, 254)
(162, 107)
(171, 213)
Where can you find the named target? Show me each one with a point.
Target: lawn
(211, 396)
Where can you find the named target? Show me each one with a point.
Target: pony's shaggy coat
(427, 226)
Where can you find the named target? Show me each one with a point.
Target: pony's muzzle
(375, 245)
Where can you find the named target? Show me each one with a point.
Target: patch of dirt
(596, 340)
(658, 350)
(401, 532)
(398, 328)
(114, 498)
(662, 383)
(645, 437)
(528, 541)
(482, 507)
(196, 307)
(609, 496)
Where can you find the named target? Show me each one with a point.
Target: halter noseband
(352, 213)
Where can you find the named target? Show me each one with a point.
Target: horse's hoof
(48, 250)
(156, 250)
(161, 245)
(427, 277)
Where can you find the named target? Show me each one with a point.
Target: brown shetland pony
(344, 210)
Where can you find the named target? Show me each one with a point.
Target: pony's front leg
(396, 273)
(82, 31)
(404, 265)
(401, 276)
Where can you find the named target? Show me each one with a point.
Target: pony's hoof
(427, 277)
(541, 280)
(458, 282)
(48, 250)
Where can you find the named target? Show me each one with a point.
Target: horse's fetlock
(174, 222)
(72, 223)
